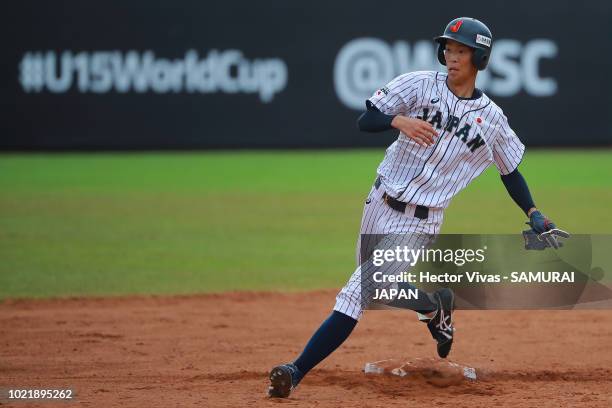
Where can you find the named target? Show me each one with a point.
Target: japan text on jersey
(473, 133)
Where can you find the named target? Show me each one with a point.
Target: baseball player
(449, 133)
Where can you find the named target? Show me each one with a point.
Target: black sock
(325, 340)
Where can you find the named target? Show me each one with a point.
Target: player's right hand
(416, 129)
(546, 230)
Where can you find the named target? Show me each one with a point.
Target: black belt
(420, 211)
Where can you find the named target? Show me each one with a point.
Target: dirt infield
(216, 350)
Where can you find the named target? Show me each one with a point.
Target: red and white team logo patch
(383, 90)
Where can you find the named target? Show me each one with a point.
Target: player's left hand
(546, 229)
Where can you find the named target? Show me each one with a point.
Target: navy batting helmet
(470, 32)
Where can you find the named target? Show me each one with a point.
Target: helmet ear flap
(441, 58)
(480, 58)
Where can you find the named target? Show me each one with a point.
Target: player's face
(459, 62)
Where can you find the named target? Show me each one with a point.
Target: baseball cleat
(441, 325)
(283, 380)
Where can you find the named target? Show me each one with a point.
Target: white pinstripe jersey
(472, 134)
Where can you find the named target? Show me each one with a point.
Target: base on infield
(441, 373)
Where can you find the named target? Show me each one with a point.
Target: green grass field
(111, 224)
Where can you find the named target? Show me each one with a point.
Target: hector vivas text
(404, 258)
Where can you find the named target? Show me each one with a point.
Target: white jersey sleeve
(508, 149)
(400, 95)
